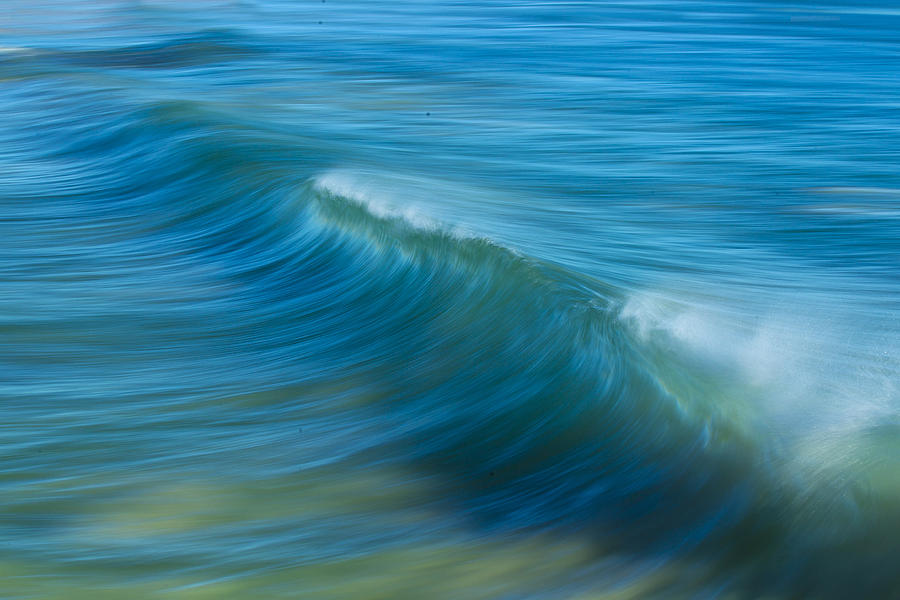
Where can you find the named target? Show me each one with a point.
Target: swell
(518, 380)
(513, 378)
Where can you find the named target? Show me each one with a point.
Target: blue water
(446, 300)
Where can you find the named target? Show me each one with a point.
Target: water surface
(542, 300)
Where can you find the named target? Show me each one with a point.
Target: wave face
(458, 301)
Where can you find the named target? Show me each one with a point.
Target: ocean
(449, 300)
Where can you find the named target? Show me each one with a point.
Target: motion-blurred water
(440, 300)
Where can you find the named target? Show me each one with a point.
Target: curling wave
(517, 382)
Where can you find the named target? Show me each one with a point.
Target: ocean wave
(544, 399)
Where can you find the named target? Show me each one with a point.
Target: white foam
(412, 199)
(801, 366)
(352, 187)
(708, 334)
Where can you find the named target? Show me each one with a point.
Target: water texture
(449, 300)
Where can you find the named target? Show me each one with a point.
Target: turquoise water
(449, 300)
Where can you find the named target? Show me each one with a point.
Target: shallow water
(449, 300)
